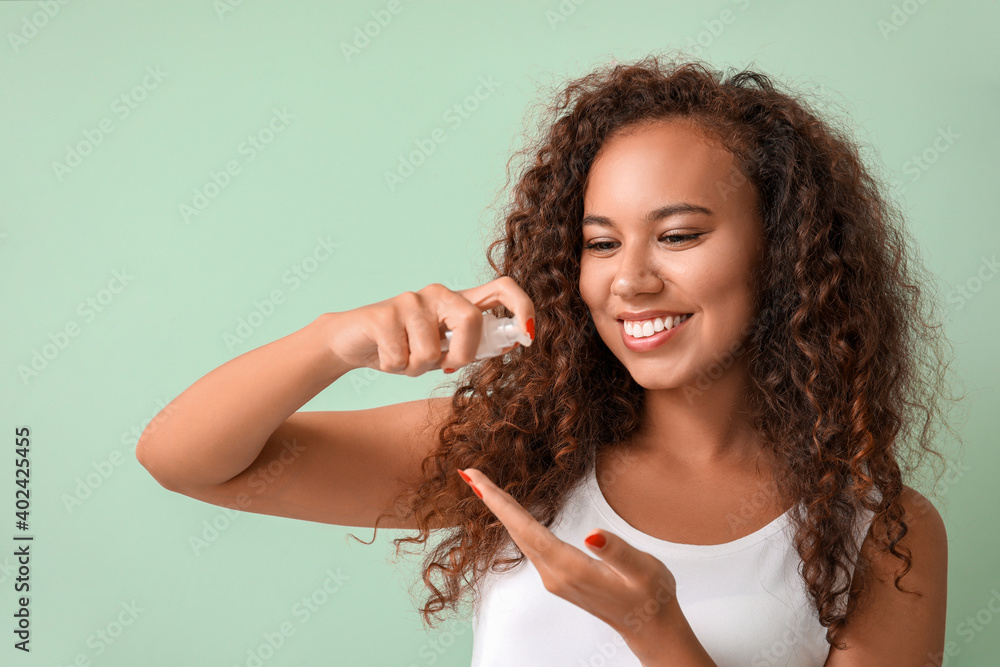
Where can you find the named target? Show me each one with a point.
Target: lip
(650, 342)
(646, 314)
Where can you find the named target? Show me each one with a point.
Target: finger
(422, 339)
(621, 556)
(504, 291)
(456, 360)
(534, 539)
(465, 321)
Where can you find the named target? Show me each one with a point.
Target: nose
(635, 274)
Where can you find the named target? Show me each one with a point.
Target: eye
(678, 239)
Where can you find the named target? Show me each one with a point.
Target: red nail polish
(449, 370)
(468, 480)
(530, 326)
(596, 540)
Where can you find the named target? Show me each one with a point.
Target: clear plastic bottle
(498, 333)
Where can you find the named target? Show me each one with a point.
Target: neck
(693, 429)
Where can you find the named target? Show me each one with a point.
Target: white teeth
(649, 327)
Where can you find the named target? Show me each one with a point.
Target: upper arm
(894, 627)
(337, 467)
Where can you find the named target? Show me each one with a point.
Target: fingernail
(530, 326)
(596, 540)
(468, 480)
(449, 370)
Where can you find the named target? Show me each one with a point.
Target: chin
(654, 376)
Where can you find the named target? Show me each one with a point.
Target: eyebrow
(651, 217)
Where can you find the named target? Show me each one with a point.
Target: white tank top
(745, 599)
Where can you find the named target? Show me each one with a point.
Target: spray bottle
(498, 333)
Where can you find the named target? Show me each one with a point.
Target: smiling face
(676, 229)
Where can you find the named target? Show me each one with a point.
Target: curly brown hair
(844, 353)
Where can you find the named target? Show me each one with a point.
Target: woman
(726, 373)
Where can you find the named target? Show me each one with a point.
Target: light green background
(62, 239)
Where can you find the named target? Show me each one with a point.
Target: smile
(655, 338)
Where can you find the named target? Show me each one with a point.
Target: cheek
(593, 286)
(732, 308)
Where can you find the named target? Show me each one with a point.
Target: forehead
(656, 162)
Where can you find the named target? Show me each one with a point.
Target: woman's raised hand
(403, 334)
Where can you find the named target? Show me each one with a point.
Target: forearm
(215, 428)
(667, 640)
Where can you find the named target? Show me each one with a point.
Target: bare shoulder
(926, 533)
(890, 626)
